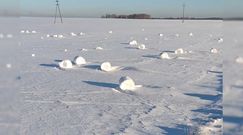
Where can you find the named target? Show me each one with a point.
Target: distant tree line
(132, 16)
(193, 18)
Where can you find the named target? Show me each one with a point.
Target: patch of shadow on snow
(58, 60)
(218, 88)
(102, 84)
(152, 86)
(151, 56)
(216, 113)
(131, 48)
(50, 65)
(169, 51)
(179, 130)
(214, 110)
(233, 119)
(215, 72)
(92, 67)
(237, 86)
(131, 69)
(205, 96)
(124, 43)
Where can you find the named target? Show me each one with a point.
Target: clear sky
(96, 8)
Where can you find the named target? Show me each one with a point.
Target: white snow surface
(39, 98)
(233, 78)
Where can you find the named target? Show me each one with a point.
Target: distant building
(132, 16)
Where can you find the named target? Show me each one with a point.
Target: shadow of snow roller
(127, 83)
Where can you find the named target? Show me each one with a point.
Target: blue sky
(156, 8)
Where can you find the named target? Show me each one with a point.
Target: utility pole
(183, 17)
(58, 11)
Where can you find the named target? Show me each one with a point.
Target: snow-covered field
(233, 78)
(177, 94)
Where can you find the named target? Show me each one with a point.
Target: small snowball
(84, 49)
(9, 36)
(33, 55)
(236, 41)
(164, 55)
(48, 35)
(1, 35)
(239, 60)
(99, 48)
(19, 43)
(27, 31)
(81, 34)
(65, 64)
(213, 50)
(33, 31)
(55, 36)
(220, 40)
(8, 65)
(22, 31)
(65, 50)
(78, 60)
(179, 51)
(190, 34)
(73, 34)
(60, 36)
(110, 32)
(126, 83)
(142, 47)
(161, 35)
(133, 42)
